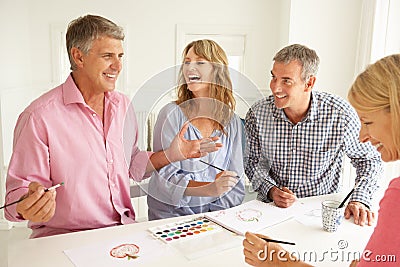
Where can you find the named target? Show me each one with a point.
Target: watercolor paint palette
(184, 230)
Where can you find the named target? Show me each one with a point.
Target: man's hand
(283, 198)
(181, 148)
(37, 206)
(362, 215)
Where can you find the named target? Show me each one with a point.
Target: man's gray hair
(307, 58)
(84, 30)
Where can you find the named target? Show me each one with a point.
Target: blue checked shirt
(307, 157)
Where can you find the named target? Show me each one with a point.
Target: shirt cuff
(10, 212)
(178, 198)
(138, 166)
(263, 190)
(362, 197)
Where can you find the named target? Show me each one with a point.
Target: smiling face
(290, 91)
(376, 127)
(99, 69)
(197, 72)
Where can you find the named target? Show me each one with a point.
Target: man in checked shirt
(297, 138)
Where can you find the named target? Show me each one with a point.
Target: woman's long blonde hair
(220, 87)
(378, 88)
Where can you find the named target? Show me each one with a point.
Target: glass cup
(332, 216)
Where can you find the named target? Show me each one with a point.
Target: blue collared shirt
(307, 157)
(167, 186)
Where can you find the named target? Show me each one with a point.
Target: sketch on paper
(125, 250)
(249, 215)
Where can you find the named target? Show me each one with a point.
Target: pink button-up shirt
(59, 138)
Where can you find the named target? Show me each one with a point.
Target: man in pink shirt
(84, 134)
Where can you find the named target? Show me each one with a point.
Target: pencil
(19, 200)
(218, 168)
(277, 241)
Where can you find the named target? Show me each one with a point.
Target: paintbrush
(218, 168)
(351, 192)
(277, 241)
(19, 200)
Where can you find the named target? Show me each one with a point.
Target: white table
(325, 249)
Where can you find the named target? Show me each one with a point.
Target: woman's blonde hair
(378, 88)
(220, 86)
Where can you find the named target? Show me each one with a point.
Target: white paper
(202, 246)
(254, 216)
(311, 215)
(99, 254)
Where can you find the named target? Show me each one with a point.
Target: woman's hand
(258, 252)
(224, 182)
(181, 148)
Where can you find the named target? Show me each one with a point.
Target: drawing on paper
(220, 213)
(125, 250)
(249, 215)
(313, 213)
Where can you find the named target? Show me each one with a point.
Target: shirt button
(94, 115)
(110, 161)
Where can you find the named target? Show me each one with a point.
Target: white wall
(332, 29)
(15, 36)
(150, 28)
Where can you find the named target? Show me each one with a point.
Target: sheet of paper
(311, 216)
(254, 216)
(205, 245)
(99, 254)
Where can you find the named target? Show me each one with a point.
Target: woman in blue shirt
(205, 99)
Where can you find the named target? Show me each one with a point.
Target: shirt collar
(312, 113)
(71, 93)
